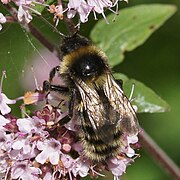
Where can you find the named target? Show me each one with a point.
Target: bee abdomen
(98, 149)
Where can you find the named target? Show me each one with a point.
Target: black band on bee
(72, 43)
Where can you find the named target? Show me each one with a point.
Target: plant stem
(159, 155)
(36, 33)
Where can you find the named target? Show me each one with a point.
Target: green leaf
(131, 29)
(144, 98)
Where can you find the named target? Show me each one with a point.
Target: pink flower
(30, 125)
(67, 161)
(2, 20)
(23, 170)
(5, 1)
(50, 151)
(82, 7)
(48, 176)
(25, 9)
(23, 14)
(3, 121)
(77, 167)
(5, 141)
(57, 11)
(66, 148)
(132, 139)
(73, 125)
(79, 6)
(116, 166)
(81, 168)
(78, 147)
(99, 5)
(126, 148)
(4, 100)
(4, 165)
(23, 2)
(22, 143)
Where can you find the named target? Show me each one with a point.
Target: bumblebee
(104, 112)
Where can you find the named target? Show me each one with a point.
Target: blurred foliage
(155, 63)
(143, 97)
(131, 29)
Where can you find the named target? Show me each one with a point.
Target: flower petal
(3, 120)
(2, 18)
(42, 157)
(54, 158)
(25, 125)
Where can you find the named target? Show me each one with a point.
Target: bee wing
(127, 120)
(106, 110)
(97, 113)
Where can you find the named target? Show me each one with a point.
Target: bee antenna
(76, 32)
(73, 30)
(35, 79)
(53, 27)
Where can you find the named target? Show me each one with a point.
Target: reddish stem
(159, 155)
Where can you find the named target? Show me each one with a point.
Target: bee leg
(46, 86)
(120, 83)
(67, 118)
(53, 73)
(62, 89)
(49, 87)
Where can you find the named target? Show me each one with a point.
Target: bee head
(81, 59)
(72, 43)
(88, 67)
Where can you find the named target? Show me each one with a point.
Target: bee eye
(89, 69)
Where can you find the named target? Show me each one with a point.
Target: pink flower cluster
(81, 7)
(37, 147)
